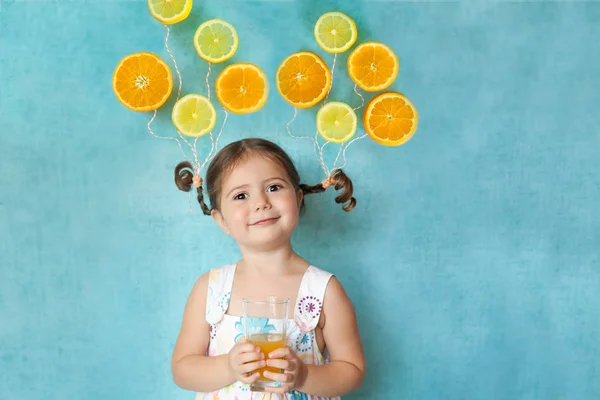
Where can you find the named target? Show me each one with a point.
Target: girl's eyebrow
(275, 178)
(236, 188)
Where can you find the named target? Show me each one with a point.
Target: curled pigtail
(184, 176)
(185, 180)
(339, 180)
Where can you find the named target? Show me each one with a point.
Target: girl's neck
(283, 260)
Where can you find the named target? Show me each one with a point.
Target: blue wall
(472, 257)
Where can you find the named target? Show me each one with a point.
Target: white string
(314, 140)
(214, 144)
(318, 148)
(346, 148)
(330, 86)
(192, 148)
(220, 132)
(165, 137)
(207, 84)
(361, 97)
(173, 59)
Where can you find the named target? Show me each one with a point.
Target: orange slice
(303, 79)
(242, 88)
(373, 66)
(390, 119)
(142, 81)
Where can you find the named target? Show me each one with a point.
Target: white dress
(226, 330)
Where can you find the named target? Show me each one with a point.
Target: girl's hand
(294, 370)
(244, 358)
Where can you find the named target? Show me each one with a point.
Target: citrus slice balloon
(303, 79)
(194, 115)
(170, 11)
(390, 119)
(142, 81)
(373, 66)
(336, 122)
(335, 32)
(242, 88)
(216, 41)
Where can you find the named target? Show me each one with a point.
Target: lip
(266, 221)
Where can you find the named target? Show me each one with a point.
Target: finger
(247, 357)
(249, 367)
(247, 348)
(284, 378)
(251, 378)
(280, 363)
(281, 353)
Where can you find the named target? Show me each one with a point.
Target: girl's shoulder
(221, 270)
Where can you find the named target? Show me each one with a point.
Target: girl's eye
(240, 196)
(273, 188)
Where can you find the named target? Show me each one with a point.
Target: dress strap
(220, 281)
(310, 298)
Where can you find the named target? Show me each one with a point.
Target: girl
(256, 196)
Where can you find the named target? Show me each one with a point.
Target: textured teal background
(472, 257)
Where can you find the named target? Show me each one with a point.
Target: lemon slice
(170, 11)
(194, 115)
(216, 40)
(335, 32)
(336, 122)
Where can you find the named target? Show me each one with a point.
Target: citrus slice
(335, 32)
(390, 119)
(194, 115)
(373, 66)
(242, 88)
(170, 11)
(303, 79)
(336, 122)
(216, 40)
(142, 81)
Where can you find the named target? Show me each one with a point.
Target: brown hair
(228, 157)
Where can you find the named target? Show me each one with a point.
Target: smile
(264, 222)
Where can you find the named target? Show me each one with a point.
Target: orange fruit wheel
(142, 82)
(303, 79)
(242, 88)
(373, 66)
(390, 119)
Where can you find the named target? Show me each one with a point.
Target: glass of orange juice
(265, 324)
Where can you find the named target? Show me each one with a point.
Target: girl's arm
(191, 368)
(346, 369)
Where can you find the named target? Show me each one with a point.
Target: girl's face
(259, 206)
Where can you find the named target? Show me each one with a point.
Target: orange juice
(267, 343)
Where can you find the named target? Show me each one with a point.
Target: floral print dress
(226, 330)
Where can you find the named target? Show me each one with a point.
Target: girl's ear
(300, 197)
(218, 217)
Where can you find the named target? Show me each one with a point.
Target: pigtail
(340, 181)
(184, 179)
(307, 189)
(343, 182)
